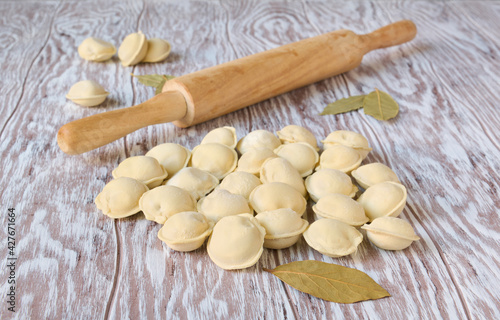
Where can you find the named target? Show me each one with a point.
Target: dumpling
(142, 168)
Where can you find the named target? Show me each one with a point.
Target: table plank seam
(23, 87)
(441, 256)
(117, 270)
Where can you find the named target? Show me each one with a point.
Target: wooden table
(75, 263)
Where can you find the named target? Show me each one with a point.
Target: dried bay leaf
(344, 105)
(153, 80)
(329, 282)
(380, 105)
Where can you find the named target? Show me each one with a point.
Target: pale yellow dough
(240, 182)
(225, 135)
(215, 158)
(161, 203)
(283, 227)
(373, 173)
(158, 50)
(340, 157)
(252, 160)
(133, 49)
(120, 197)
(333, 238)
(222, 203)
(186, 231)
(325, 181)
(302, 156)
(197, 182)
(142, 168)
(350, 139)
(384, 199)
(281, 170)
(172, 156)
(87, 93)
(277, 195)
(390, 233)
(294, 133)
(236, 242)
(340, 207)
(94, 49)
(258, 139)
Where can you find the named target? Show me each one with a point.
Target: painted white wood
(444, 145)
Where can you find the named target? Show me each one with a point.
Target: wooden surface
(75, 263)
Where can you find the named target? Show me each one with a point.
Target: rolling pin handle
(393, 34)
(89, 133)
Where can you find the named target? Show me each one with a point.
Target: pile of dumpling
(211, 192)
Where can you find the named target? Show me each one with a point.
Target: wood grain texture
(444, 145)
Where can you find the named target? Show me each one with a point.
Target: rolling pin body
(215, 91)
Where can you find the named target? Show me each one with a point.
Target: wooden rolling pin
(215, 91)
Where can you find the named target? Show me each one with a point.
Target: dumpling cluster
(134, 48)
(249, 194)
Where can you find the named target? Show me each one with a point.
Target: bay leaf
(329, 281)
(153, 80)
(380, 105)
(344, 105)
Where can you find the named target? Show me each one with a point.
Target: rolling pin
(218, 90)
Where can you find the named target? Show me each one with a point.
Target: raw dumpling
(186, 231)
(294, 133)
(252, 160)
(120, 197)
(283, 227)
(240, 182)
(277, 195)
(236, 242)
(280, 170)
(333, 238)
(258, 139)
(222, 203)
(301, 156)
(325, 181)
(162, 202)
(216, 158)
(172, 156)
(224, 135)
(142, 168)
(197, 182)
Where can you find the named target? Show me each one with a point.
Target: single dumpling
(340, 207)
(225, 135)
(283, 227)
(349, 139)
(373, 173)
(161, 203)
(294, 133)
(325, 181)
(384, 199)
(142, 168)
(258, 139)
(240, 182)
(120, 197)
(252, 160)
(340, 157)
(333, 238)
(216, 158)
(186, 231)
(236, 242)
(222, 203)
(281, 170)
(302, 156)
(197, 182)
(277, 195)
(172, 156)
(390, 233)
